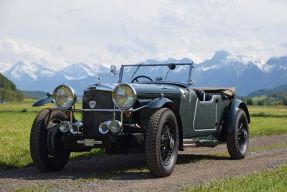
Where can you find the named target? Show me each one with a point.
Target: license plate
(89, 142)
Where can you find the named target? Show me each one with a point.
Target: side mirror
(113, 69)
(172, 66)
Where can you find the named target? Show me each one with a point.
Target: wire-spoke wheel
(161, 143)
(238, 140)
(167, 143)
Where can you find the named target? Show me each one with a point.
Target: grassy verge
(274, 180)
(15, 129)
(268, 120)
(268, 126)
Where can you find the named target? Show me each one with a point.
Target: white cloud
(152, 29)
(12, 51)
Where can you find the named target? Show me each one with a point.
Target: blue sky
(129, 31)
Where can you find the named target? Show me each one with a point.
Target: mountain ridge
(247, 74)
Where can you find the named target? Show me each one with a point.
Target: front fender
(42, 101)
(232, 112)
(158, 103)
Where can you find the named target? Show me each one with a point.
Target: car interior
(207, 94)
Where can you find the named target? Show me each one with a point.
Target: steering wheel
(140, 76)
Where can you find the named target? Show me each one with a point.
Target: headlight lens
(64, 96)
(124, 96)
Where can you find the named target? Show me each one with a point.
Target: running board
(189, 143)
(199, 143)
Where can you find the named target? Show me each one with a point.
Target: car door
(205, 115)
(199, 118)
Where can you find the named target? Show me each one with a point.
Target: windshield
(145, 73)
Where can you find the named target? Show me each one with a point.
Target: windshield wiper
(166, 74)
(135, 72)
(171, 66)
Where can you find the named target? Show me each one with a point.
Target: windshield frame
(158, 82)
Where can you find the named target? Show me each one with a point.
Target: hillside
(5, 83)
(275, 96)
(8, 91)
(280, 91)
(34, 94)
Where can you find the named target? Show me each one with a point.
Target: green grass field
(16, 120)
(268, 120)
(274, 180)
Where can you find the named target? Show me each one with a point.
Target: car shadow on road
(109, 167)
(194, 158)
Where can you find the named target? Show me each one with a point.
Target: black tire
(161, 143)
(238, 141)
(45, 123)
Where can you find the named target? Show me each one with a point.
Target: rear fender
(232, 113)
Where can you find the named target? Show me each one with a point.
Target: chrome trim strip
(216, 113)
(111, 110)
(107, 110)
(96, 110)
(206, 130)
(195, 109)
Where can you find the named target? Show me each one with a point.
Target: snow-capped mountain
(276, 63)
(76, 71)
(27, 75)
(276, 72)
(225, 59)
(33, 76)
(247, 74)
(170, 60)
(225, 69)
(33, 69)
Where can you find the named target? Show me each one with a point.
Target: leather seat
(202, 96)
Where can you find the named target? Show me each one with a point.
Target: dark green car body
(204, 116)
(198, 120)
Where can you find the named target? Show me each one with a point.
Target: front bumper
(127, 143)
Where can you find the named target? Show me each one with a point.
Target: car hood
(156, 88)
(141, 88)
(102, 86)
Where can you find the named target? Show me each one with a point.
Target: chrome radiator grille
(92, 120)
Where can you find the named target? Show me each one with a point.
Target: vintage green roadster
(153, 109)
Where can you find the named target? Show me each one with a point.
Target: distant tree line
(265, 101)
(10, 95)
(8, 91)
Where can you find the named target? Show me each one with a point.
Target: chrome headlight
(64, 97)
(124, 96)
